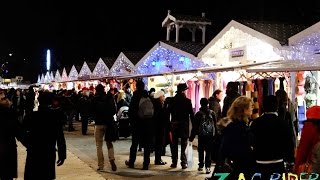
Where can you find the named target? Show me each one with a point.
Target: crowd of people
(227, 136)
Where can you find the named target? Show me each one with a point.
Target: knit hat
(158, 94)
(313, 112)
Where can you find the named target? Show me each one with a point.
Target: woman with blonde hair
(121, 100)
(235, 147)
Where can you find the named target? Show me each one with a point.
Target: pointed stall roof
(85, 71)
(122, 66)
(165, 58)
(307, 40)
(42, 79)
(100, 69)
(57, 77)
(234, 36)
(73, 75)
(64, 75)
(39, 80)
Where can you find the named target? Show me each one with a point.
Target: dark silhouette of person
(44, 138)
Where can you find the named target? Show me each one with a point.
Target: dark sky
(88, 30)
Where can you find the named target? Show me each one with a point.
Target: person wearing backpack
(141, 119)
(204, 126)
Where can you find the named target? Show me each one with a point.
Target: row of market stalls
(249, 53)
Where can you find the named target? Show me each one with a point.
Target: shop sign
(238, 54)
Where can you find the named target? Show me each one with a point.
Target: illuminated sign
(238, 54)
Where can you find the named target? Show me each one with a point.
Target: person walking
(103, 110)
(181, 112)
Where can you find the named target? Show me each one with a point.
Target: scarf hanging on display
(248, 89)
(281, 79)
(271, 86)
(197, 100)
(265, 88)
(191, 92)
(255, 111)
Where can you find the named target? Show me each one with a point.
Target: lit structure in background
(42, 78)
(235, 36)
(85, 70)
(73, 75)
(122, 66)
(57, 77)
(163, 60)
(64, 75)
(48, 60)
(39, 80)
(101, 69)
(305, 45)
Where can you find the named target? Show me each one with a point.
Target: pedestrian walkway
(72, 169)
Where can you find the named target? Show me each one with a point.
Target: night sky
(89, 30)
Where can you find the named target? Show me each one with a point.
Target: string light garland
(42, 78)
(85, 70)
(73, 75)
(57, 77)
(64, 75)
(218, 54)
(164, 60)
(101, 69)
(122, 66)
(39, 80)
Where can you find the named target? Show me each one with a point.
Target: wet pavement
(82, 153)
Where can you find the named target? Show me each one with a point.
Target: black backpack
(206, 126)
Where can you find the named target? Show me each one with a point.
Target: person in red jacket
(309, 137)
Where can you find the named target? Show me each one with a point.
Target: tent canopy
(287, 66)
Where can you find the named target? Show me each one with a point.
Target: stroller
(124, 122)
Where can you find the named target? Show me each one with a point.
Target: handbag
(112, 132)
(189, 151)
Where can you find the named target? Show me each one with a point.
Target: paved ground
(82, 161)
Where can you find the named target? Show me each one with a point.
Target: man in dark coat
(142, 129)
(9, 131)
(181, 112)
(272, 146)
(44, 138)
(103, 110)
